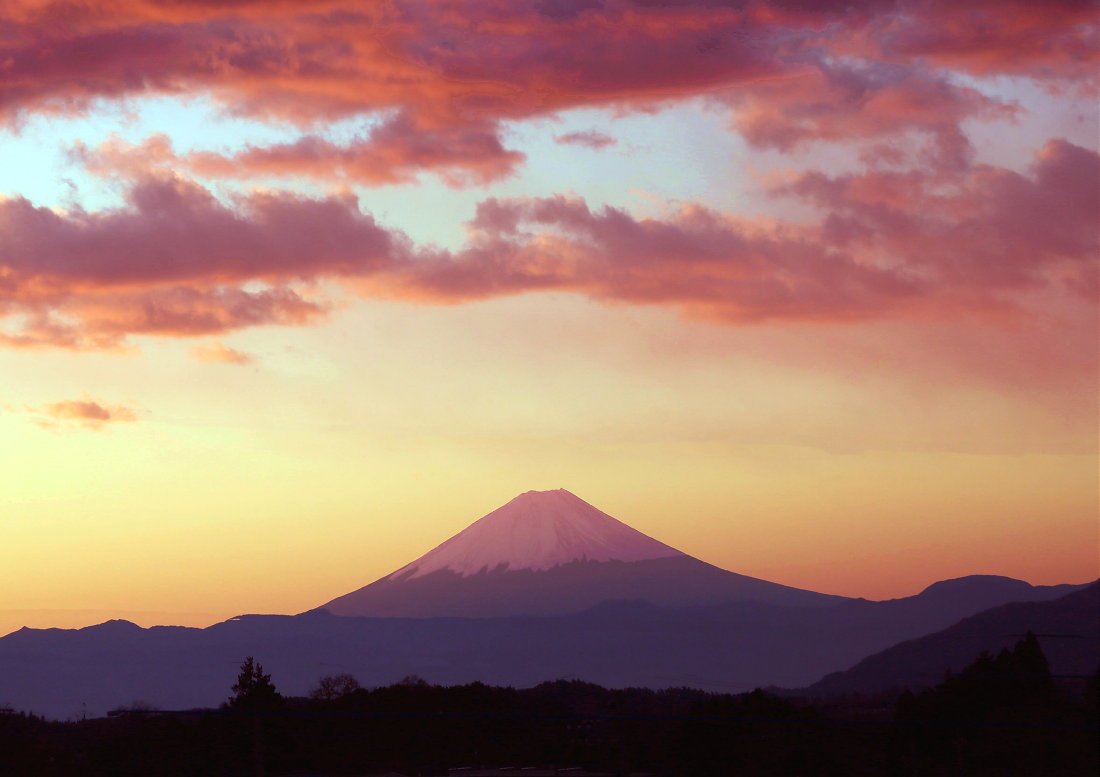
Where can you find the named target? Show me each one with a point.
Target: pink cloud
(593, 139)
(176, 261)
(974, 233)
(889, 245)
(1051, 40)
(394, 152)
(89, 319)
(847, 102)
(450, 73)
(175, 231)
(706, 264)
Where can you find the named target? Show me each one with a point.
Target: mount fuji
(552, 553)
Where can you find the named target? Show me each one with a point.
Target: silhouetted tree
(423, 729)
(1036, 686)
(1012, 684)
(254, 689)
(333, 687)
(1013, 695)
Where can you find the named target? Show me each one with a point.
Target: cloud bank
(920, 231)
(176, 261)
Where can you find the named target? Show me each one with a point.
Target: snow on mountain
(537, 530)
(551, 553)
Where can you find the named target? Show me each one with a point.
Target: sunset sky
(292, 291)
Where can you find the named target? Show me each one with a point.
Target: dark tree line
(1002, 715)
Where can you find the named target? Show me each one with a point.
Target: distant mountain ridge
(1068, 629)
(989, 590)
(727, 647)
(949, 600)
(552, 553)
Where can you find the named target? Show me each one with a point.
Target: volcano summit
(538, 530)
(552, 553)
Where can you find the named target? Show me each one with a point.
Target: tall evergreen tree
(254, 689)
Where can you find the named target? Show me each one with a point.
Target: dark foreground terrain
(1002, 715)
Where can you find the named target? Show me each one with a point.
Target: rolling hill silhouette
(729, 647)
(1068, 628)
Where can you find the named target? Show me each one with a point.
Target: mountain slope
(572, 587)
(552, 553)
(1068, 630)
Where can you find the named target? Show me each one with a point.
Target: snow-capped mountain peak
(537, 530)
(550, 553)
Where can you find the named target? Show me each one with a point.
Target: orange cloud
(88, 413)
(220, 352)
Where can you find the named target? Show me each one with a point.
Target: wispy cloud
(82, 413)
(593, 139)
(220, 352)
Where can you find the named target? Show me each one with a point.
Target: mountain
(726, 647)
(940, 605)
(538, 530)
(552, 553)
(547, 587)
(1068, 629)
(980, 592)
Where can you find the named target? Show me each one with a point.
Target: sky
(291, 291)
